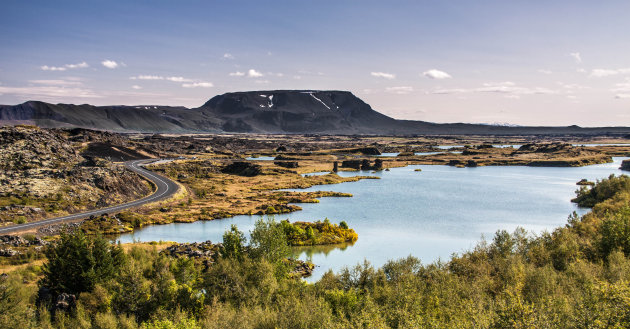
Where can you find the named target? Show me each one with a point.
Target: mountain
(277, 111)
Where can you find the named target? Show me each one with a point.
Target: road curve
(165, 189)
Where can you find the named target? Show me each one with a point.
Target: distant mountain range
(277, 111)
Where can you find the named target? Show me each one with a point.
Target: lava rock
(242, 168)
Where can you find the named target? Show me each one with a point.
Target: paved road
(165, 189)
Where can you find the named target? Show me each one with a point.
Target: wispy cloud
(237, 74)
(110, 64)
(52, 68)
(228, 56)
(600, 73)
(254, 74)
(198, 85)
(159, 77)
(401, 90)
(178, 79)
(542, 71)
(81, 65)
(147, 77)
(50, 92)
(436, 74)
(622, 96)
(136, 87)
(58, 82)
(576, 57)
(507, 88)
(384, 75)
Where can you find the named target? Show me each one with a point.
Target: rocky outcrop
(625, 165)
(242, 168)
(42, 172)
(287, 164)
(363, 164)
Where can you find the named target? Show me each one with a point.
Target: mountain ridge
(264, 111)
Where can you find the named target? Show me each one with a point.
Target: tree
(233, 243)
(76, 263)
(269, 241)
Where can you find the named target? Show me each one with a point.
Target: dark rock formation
(8, 252)
(287, 164)
(363, 164)
(625, 165)
(65, 302)
(242, 168)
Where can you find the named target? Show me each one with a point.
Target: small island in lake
(317, 233)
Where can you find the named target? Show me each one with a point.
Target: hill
(277, 111)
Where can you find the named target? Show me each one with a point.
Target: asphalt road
(165, 189)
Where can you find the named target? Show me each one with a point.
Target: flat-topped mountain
(276, 111)
(297, 111)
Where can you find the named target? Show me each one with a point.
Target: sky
(509, 62)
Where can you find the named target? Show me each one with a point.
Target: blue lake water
(428, 214)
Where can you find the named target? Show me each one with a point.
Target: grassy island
(317, 233)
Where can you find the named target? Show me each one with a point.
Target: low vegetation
(317, 233)
(574, 277)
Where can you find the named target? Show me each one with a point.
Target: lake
(428, 214)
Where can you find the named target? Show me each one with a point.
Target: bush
(233, 242)
(269, 241)
(77, 263)
(615, 233)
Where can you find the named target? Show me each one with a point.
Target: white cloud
(237, 74)
(81, 65)
(262, 82)
(178, 79)
(136, 87)
(51, 92)
(622, 96)
(52, 68)
(384, 75)
(544, 71)
(228, 56)
(402, 90)
(508, 88)
(600, 73)
(623, 87)
(147, 77)
(577, 57)
(198, 85)
(436, 74)
(254, 74)
(56, 82)
(109, 64)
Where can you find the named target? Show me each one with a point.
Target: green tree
(76, 263)
(269, 241)
(233, 243)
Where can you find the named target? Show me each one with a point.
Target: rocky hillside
(274, 111)
(43, 174)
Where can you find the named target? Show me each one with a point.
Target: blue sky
(519, 62)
